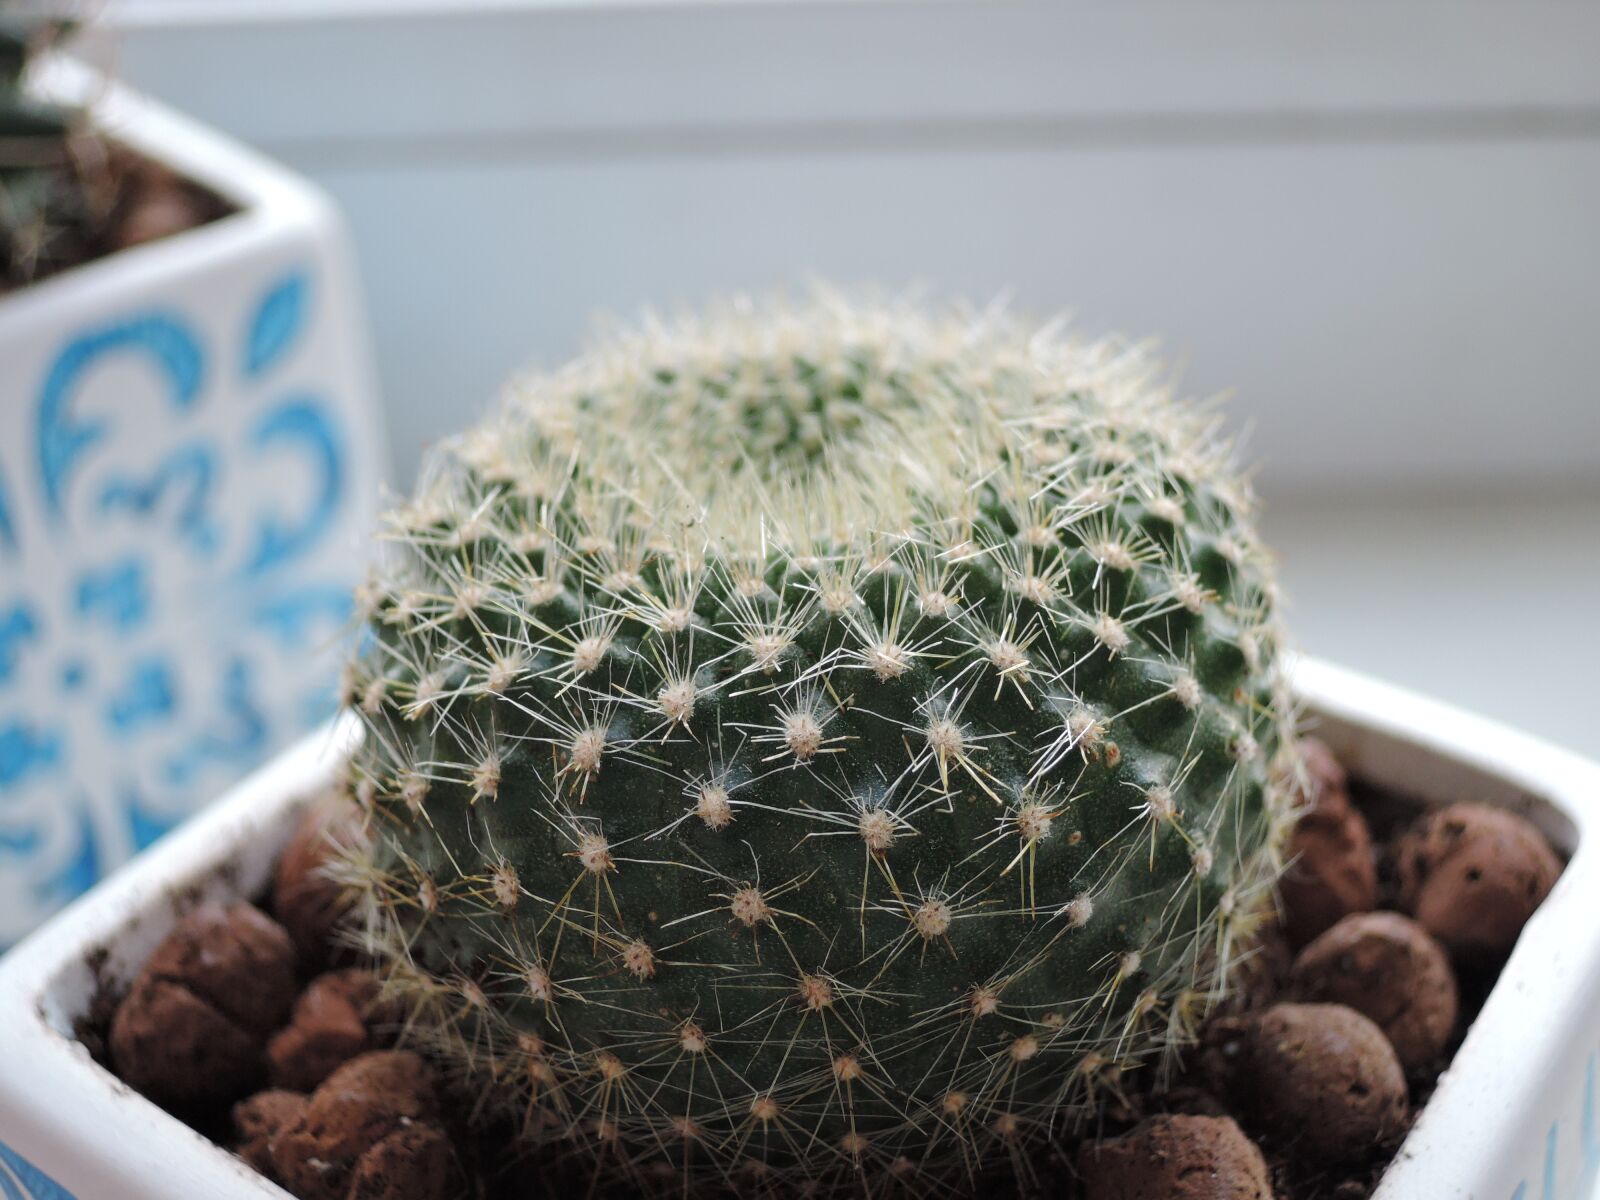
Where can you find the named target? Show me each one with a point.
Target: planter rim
(1460, 1142)
(269, 201)
(81, 1110)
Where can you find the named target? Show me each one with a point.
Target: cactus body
(819, 745)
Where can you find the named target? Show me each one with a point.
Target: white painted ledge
(1488, 600)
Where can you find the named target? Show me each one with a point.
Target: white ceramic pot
(1514, 1118)
(189, 459)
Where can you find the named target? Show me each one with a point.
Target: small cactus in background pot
(821, 744)
(70, 194)
(41, 191)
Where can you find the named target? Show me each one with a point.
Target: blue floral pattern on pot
(179, 515)
(21, 1180)
(1579, 1148)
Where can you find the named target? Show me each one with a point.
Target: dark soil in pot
(102, 198)
(69, 194)
(254, 1025)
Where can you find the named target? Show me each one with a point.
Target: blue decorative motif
(119, 594)
(144, 824)
(21, 1180)
(148, 697)
(277, 322)
(1591, 1121)
(26, 750)
(291, 618)
(174, 577)
(8, 524)
(85, 864)
(1588, 1164)
(64, 439)
(18, 625)
(189, 473)
(302, 426)
(234, 736)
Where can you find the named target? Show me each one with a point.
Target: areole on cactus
(821, 744)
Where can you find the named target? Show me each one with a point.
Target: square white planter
(190, 453)
(1516, 1117)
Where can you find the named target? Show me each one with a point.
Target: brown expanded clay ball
(191, 1029)
(415, 1162)
(369, 1132)
(308, 902)
(1324, 1082)
(1472, 875)
(1332, 871)
(1388, 968)
(257, 1120)
(337, 1017)
(1175, 1158)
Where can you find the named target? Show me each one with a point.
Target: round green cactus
(817, 745)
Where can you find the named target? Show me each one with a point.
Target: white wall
(1372, 330)
(1374, 222)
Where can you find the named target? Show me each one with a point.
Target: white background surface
(1491, 601)
(1375, 224)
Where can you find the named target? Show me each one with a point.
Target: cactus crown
(33, 153)
(820, 745)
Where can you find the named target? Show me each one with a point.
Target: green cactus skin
(818, 747)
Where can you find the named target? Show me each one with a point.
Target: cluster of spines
(965, 572)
